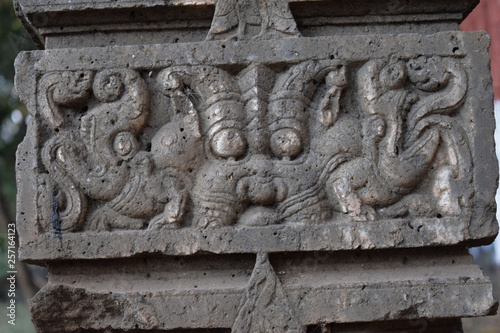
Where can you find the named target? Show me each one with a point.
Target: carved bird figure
(393, 162)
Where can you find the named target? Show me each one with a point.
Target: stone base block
(316, 288)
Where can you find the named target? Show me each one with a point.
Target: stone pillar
(256, 166)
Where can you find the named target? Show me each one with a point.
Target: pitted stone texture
(256, 166)
(380, 137)
(229, 292)
(87, 23)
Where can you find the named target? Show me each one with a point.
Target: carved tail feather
(71, 199)
(433, 112)
(454, 137)
(404, 171)
(289, 103)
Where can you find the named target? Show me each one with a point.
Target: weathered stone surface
(150, 146)
(398, 233)
(257, 166)
(322, 287)
(57, 24)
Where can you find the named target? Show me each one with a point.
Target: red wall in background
(486, 16)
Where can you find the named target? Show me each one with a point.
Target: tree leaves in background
(13, 39)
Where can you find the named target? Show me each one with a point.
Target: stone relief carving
(265, 306)
(402, 131)
(319, 141)
(244, 19)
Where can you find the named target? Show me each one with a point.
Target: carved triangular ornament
(265, 307)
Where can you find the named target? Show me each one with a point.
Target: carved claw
(206, 222)
(159, 222)
(365, 214)
(351, 204)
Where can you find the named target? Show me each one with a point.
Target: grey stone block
(282, 167)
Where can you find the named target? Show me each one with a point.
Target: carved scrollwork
(258, 147)
(59, 89)
(95, 155)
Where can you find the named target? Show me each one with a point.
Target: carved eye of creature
(108, 86)
(286, 143)
(125, 145)
(229, 142)
(169, 139)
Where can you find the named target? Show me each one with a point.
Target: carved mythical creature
(211, 101)
(103, 159)
(58, 90)
(251, 159)
(306, 159)
(400, 135)
(278, 186)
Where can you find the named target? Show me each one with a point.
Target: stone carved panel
(257, 127)
(317, 142)
(257, 147)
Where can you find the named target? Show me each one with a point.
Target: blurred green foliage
(13, 39)
(23, 322)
